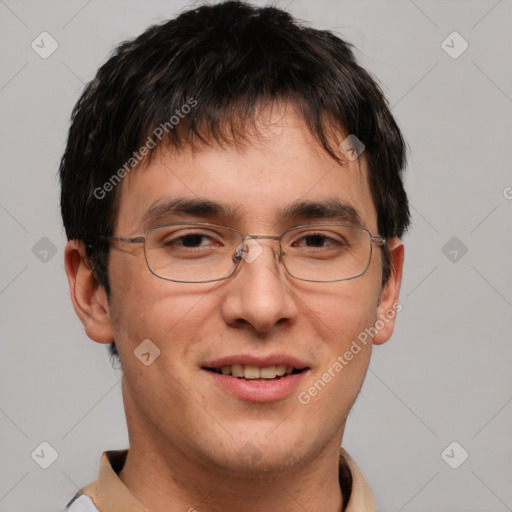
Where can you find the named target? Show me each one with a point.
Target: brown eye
(193, 240)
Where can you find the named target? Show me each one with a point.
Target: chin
(260, 455)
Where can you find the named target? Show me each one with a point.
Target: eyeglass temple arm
(135, 240)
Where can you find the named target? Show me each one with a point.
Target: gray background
(444, 376)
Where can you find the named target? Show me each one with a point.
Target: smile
(252, 372)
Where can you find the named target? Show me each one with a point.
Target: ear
(88, 297)
(389, 306)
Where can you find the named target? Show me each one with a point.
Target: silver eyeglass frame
(237, 256)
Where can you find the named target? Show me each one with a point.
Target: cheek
(348, 306)
(341, 319)
(144, 306)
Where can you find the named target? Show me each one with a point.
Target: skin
(185, 432)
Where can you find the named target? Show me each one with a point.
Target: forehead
(280, 175)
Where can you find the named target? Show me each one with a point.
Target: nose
(259, 296)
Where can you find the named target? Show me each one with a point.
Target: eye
(184, 239)
(316, 240)
(189, 240)
(319, 240)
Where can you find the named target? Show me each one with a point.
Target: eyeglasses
(203, 253)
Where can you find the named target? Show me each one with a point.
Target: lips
(257, 379)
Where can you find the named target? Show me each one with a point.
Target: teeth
(268, 373)
(237, 370)
(251, 371)
(280, 370)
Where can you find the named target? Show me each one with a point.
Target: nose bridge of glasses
(261, 237)
(257, 238)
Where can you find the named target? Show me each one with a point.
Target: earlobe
(389, 305)
(88, 297)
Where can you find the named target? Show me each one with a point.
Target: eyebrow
(329, 209)
(187, 206)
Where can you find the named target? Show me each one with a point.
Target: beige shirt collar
(111, 495)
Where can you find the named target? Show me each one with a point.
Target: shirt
(109, 494)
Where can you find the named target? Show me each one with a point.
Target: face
(260, 316)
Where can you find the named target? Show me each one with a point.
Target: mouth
(257, 378)
(254, 373)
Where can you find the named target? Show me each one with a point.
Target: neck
(171, 481)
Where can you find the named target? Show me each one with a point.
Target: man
(232, 196)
